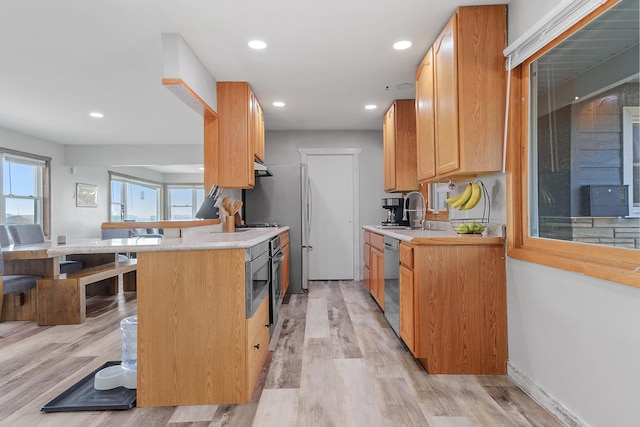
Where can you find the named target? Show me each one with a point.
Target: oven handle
(279, 257)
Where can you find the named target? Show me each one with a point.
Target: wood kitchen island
(195, 344)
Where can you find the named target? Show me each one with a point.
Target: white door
(331, 217)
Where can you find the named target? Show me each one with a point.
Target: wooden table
(36, 260)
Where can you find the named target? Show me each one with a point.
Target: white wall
(91, 165)
(62, 182)
(282, 148)
(575, 337)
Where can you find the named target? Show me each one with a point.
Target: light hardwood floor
(335, 362)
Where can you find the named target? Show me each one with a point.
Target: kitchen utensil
(226, 205)
(236, 207)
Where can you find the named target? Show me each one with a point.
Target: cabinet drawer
(367, 237)
(257, 344)
(377, 241)
(406, 255)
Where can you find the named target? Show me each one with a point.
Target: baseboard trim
(543, 398)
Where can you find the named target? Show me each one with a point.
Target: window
(25, 180)
(574, 190)
(631, 142)
(184, 201)
(134, 199)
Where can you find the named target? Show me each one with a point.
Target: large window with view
(184, 200)
(24, 179)
(134, 199)
(580, 173)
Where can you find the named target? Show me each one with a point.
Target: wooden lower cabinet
(284, 241)
(459, 308)
(377, 276)
(366, 268)
(407, 296)
(407, 320)
(257, 344)
(373, 269)
(195, 344)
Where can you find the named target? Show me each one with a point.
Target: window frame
(193, 187)
(138, 181)
(620, 265)
(45, 190)
(631, 117)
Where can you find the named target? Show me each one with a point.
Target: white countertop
(195, 240)
(444, 231)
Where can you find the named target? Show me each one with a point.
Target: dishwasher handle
(391, 244)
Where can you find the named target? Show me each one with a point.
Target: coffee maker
(395, 214)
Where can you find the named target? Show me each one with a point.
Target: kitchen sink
(393, 227)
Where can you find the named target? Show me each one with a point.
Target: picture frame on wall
(86, 195)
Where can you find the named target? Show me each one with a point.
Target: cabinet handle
(266, 326)
(257, 346)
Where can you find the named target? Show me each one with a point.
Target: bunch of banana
(468, 199)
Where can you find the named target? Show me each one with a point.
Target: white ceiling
(326, 59)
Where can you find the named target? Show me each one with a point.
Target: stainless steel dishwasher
(391, 282)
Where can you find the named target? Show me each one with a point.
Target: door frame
(355, 163)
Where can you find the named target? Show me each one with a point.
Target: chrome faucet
(422, 210)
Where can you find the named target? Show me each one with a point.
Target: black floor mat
(83, 397)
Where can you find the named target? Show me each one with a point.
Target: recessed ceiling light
(402, 45)
(96, 114)
(405, 86)
(257, 44)
(370, 107)
(278, 104)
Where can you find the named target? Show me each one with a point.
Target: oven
(257, 276)
(275, 294)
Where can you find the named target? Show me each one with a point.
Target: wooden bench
(63, 301)
(19, 305)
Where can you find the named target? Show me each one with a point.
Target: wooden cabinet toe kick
(62, 301)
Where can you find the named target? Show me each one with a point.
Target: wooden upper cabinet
(399, 139)
(469, 89)
(388, 149)
(257, 126)
(240, 134)
(425, 120)
(446, 99)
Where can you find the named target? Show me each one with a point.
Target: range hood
(260, 169)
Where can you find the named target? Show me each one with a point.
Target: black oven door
(257, 286)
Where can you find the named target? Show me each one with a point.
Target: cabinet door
(399, 143)
(235, 146)
(258, 129)
(405, 145)
(257, 344)
(446, 99)
(425, 119)
(377, 276)
(388, 136)
(407, 321)
(366, 277)
(285, 269)
(366, 271)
